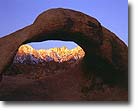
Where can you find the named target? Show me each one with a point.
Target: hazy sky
(16, 14)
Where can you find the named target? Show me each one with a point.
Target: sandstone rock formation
(105, 53)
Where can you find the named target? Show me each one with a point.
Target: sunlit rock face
(26, 54)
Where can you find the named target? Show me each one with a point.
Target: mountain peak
(25, 49)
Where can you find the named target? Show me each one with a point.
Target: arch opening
(91, 62)
(46, 58)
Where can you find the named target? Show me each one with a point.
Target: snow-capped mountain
(27, 55)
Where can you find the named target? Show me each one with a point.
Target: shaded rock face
(105, 54)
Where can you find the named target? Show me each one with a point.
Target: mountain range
(28, 55)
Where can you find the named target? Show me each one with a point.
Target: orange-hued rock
(106, 55)
(47, 82)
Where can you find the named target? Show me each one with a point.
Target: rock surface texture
(105, 54)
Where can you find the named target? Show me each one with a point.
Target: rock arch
(100, 45)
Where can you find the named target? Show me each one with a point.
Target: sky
(16, 14)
